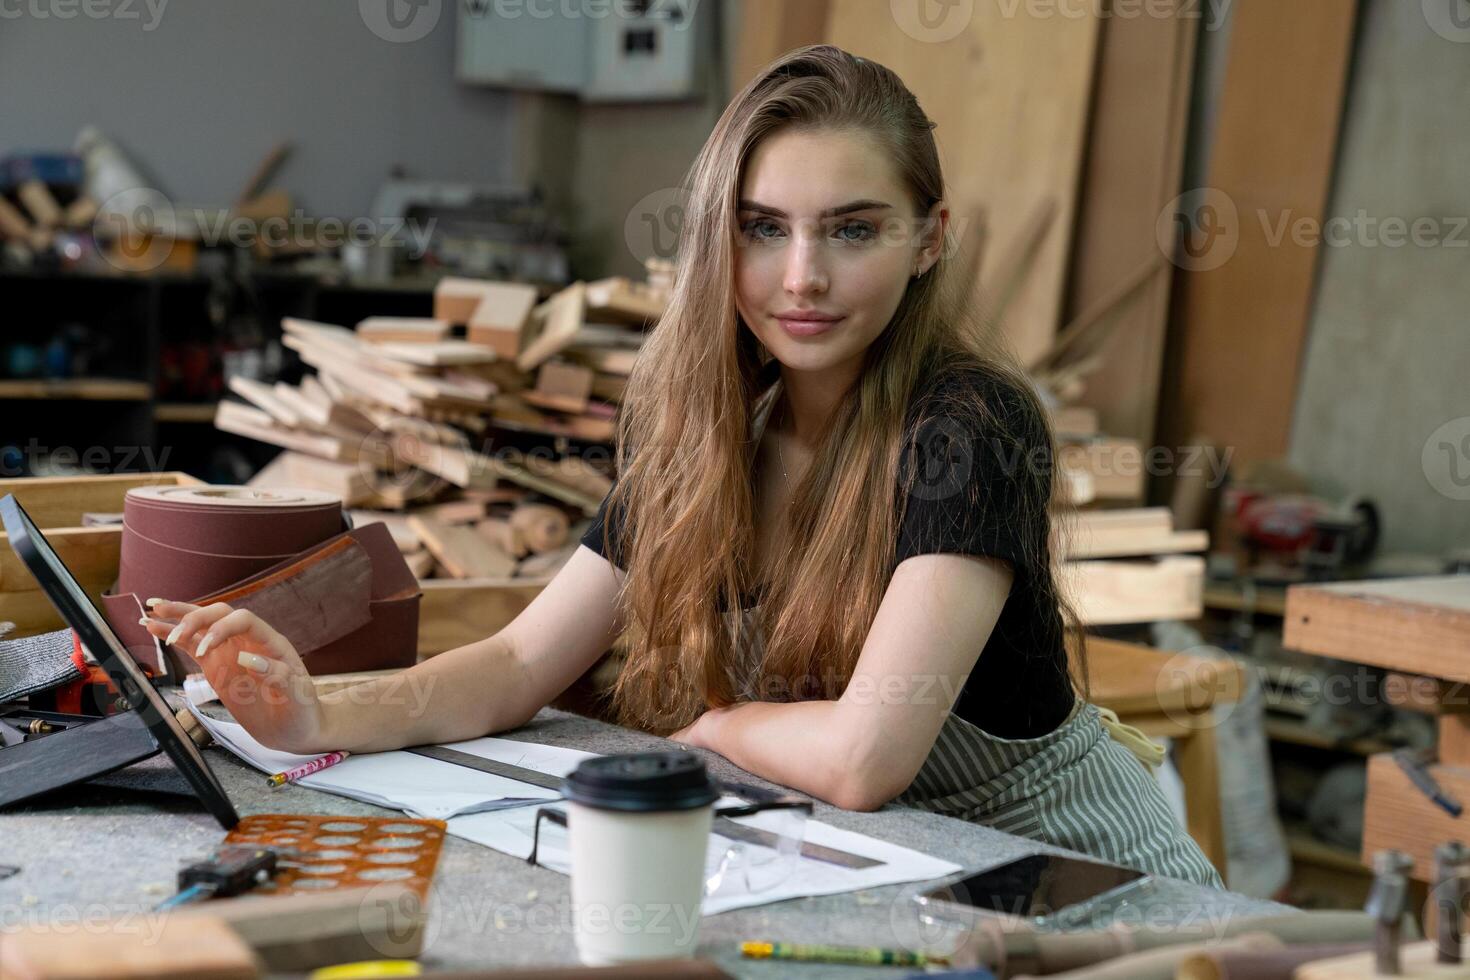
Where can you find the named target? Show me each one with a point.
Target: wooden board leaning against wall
(1009, 93)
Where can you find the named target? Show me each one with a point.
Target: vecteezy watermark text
(142, 222)
(147, 12)
(24, 460)
(678, 13)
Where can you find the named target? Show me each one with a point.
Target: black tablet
(71, 600)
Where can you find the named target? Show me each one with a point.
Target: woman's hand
(255, 671)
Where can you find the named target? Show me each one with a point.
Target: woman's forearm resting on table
(829, 749)
(460, 694)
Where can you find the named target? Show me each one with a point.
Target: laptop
(80, 752)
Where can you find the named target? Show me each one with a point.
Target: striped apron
(1077, 787)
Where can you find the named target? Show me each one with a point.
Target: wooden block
(199, 946)
(1398, 815)
(39, 201)
(590, 429)
(421, 563)
(467, 510)
(459, 549)
(1110, 592)
(255, 424)
(499, 533)
(612, 361)
(442, 353)
(293, 470)
(397, 524)
(402, 329)
(1112, 469)
(565, 386)
(1416, 958)
(540, 527)
(323, 413)
(1416, 625)
(620, 300)
(264, 397)
(365, 384)
(609, 387)
(558, 319)
(1126, 533)
(80, 213)
(455, 612)
(460, 465)
(296, 933)
(547, 563)
(582, 475)
(1454, 740)
(502, 318)
(455, 299)
(13, 224)
(1074, 420)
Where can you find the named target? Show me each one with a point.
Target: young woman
(819, 429)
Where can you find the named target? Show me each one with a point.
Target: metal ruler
(723, 826)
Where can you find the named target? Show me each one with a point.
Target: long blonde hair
(686, 439)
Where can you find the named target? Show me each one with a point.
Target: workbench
(114, 846)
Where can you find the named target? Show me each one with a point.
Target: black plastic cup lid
(642, 782)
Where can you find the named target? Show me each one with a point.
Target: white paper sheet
(510, 831)
(498, 812)
(404, 781)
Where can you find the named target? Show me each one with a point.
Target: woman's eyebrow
(848, 208)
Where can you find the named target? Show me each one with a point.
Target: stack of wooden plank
(1131, 566)
(400, 414)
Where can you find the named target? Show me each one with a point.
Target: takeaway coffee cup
(639, 829)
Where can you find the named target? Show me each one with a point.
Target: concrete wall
(199, 91)
(1388, 356)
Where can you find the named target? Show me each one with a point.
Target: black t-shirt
(980, 487)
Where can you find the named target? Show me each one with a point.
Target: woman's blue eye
(760, 229)
(854, 232)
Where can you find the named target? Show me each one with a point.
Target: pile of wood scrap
(574, 350)
(482, 536)
(401, 413)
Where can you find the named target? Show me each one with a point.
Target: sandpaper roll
(181, 541)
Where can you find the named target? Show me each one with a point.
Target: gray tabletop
(115, 844)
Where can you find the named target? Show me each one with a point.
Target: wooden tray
(57, 504)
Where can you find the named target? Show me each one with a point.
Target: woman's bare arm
(863, 749)
(490, 685)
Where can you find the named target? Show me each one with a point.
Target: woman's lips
(799, 325)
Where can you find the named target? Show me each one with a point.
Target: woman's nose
(806, 272)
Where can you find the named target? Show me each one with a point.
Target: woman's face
(828, 242)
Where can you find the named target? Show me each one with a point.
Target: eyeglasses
(762, 850)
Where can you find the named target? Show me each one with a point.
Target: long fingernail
(173, 637)
(144, 621)
(152, 602)
(253, 661)
(203, 646)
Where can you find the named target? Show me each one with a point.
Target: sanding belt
(345, 599)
